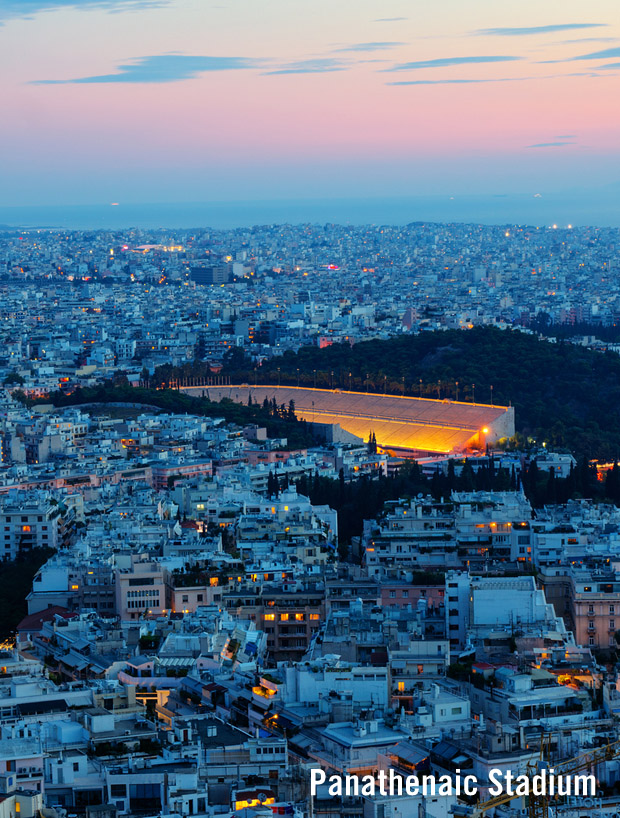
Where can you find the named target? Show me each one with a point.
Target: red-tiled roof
(34, 621)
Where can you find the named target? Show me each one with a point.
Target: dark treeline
(363, 499)
(280, 421)
(543, 323)
(563, 394)
(16, 583)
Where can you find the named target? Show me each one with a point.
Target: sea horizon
(599, 208)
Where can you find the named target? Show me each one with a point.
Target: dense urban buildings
(330, 575)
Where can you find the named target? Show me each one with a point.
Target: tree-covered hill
(566, 395)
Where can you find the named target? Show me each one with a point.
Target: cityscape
(309, 409)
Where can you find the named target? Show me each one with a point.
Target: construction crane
(538, 805)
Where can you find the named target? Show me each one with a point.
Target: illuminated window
(74, 587)
(283, 617)
(270, 617)
(299, 617)
(314, 617)
(26, 528)
(401, 687)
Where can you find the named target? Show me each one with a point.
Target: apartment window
(590, 609)
(612, 623)
(283, 617)
(405, 594)
(185, 598)
(612, 609)
(199, 597)
(591, 642)
(392, 594)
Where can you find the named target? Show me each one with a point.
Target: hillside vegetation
(563, 394)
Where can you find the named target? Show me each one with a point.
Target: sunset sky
(193, 100)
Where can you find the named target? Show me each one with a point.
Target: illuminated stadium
(405, 426)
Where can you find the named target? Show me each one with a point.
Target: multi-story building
(411, 534)
(143, 588)
(34, 520)
(594, 607)
(476, 607)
